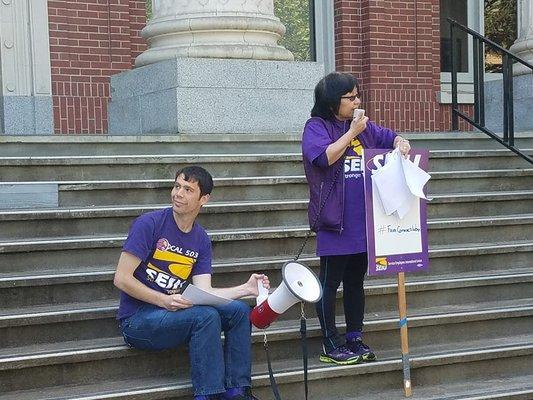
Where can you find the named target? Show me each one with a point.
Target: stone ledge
(202, 96)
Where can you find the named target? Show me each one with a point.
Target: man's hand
(251, 284)
(175, 302)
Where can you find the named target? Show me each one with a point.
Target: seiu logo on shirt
(352, 163)
(352, 167)
(174, 266)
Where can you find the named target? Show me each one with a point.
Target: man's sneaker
(341, 355)
(359, 348)
(247, 395)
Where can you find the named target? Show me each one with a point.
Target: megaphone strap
(305, 356)
(273, 383)
(303, 333)
(303, 324)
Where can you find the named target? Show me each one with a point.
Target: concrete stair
(470, 316)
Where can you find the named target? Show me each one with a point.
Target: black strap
(303, 325)
(273, 383)
(303, 333)
(321, 206)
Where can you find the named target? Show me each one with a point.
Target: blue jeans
(213, 367)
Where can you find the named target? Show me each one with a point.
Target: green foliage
(500, 21)
(148, 10)
(501, 28)
(294, 14)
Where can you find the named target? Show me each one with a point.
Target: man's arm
(125, 281)
(248, 288)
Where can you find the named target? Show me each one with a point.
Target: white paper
(393, 235)
(399, 182)
(200, 297)
(415, 177)
(390, 182)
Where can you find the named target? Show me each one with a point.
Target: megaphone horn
(299, 284)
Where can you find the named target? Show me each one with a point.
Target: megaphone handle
(263, 292)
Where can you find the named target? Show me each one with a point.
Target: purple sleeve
(384, 136)
(203, 262)
(315, 141)
(321, 161)
(140, 240)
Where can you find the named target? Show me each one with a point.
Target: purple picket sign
(394, 245)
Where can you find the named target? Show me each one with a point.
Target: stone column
(243, 29)
(523, 46)
(25, 76)
(213, 66)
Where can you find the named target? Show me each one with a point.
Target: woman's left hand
(404, 146)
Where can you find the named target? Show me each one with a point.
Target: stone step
(446, 160)
(450, 231)
(58, 222)
(108, 359)
(68, 168)
(480, 181)
(157, 191)
(452, 366)
(18, 254)
(505, 388)
(464, 140)
(72, 145)
(117, 220)
(23, 256)
(107, 145)
(68, 319)
(65, 168)
(480, 204)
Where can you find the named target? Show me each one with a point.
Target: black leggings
(350, 270)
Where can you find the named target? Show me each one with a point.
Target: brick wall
(393, 47)
(90, 40)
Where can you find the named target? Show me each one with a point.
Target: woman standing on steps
(332, 144)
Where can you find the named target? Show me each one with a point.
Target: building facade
(396, 48)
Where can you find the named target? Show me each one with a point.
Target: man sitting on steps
(164, 251)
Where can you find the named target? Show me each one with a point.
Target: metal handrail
(479, 89)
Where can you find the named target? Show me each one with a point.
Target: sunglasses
(352, 98)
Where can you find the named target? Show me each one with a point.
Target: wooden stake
(402, 307)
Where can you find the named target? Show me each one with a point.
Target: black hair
(198, 174)
(328, 93)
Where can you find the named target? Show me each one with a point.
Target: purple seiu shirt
(351, 239)
(169, 257)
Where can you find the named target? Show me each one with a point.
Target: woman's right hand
(358, 125)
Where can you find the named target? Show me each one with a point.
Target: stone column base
(26, 115)
(523, 103)
(195, 95)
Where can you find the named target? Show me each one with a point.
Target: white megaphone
(299, 284)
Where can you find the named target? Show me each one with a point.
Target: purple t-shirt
(352, 238)
(169, 257)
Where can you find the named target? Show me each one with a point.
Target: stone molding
(523, 46)
(213, 29)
